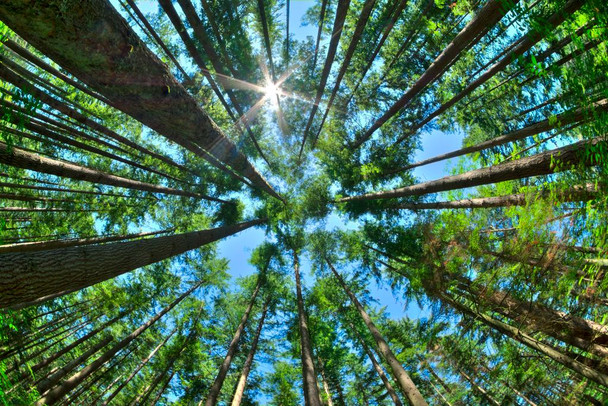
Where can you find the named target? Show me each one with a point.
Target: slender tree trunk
(240, 387)
(544, 163)
(401, 376)
(576, 117)
(214, 391)
(60, 391)
(124, 71)
(20, 158)
(309, 375)
(387, 384)
(341, 12)
(28, 276)
(491, 13)
(575, 194)
(326, 389)
(139, 367)
(479, 389)
(55, 244)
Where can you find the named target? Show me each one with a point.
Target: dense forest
(137, 136)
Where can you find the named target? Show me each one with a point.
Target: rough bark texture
(401, 376)
(214, 391)
(487, 17)
(309, 375)
(545, 163)
(28, 276)
(97, 46)
(576, 194)
(240, 387)
(27, 160)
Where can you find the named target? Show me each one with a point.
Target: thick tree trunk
(575, 194)
(491, 13)
(97, 46)
(240, 387)
(544, 163)
(214, 391)
(28, 276)
(60, 391)
(401, 376)
(309, 375)
(20, 158)
(387, 384)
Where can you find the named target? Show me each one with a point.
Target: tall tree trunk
(20, 158)
(99, 48)
(401, 376)
(491, 13)
(139, 367)
(479, 389)
(28, 276)
(387, 384)
(575, 117)
(214, 391)
(341, 12)
(54, 244)
(326, 389)
(60, 391)
(544, 163)
(240, 387)
(309, 375)
(576, 194)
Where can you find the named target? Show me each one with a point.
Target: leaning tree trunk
(401, 376)
(28, 276)
(486, 18)
(98, 47)
(309, 375)
(214, 391)
(575, 194)
(240, 387)
(484, 393)
(60, 391)
(544, 163)
(387, 384)
(20, 158)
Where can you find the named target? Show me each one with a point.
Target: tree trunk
(309, 375)
(240, 387)
(575, 117)
(139, 367)
(60, 391)
(55, 244)
(544, 163)
(20, 158)
(341, 12)
(480, 390)
(387, 384)
(97, 46)
(401, 376)
(214, 391)
(27, 276)
(486, 18)
(575, 194)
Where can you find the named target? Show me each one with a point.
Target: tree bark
(240, 387)
(401, 376)
(491, 13)
(575, 194)
(387, 384)
(20, 158)
(484, 393)
(544, 163)
(27, 276)
(214, 391)
(60, 391)
(98, 47)
(309, 375)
